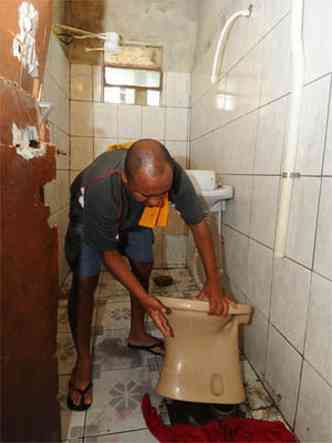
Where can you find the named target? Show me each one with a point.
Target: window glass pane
(153, 98)
(132, 77)
(119, 95)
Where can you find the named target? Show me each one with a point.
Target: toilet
(202, 360)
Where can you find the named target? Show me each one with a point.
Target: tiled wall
(56, 91)
(238, 127)
(95, 125)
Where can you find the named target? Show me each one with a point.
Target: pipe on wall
(223, 34)
(289, 174)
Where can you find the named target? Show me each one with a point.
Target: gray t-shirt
(103, 205)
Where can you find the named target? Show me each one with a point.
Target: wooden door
(29, 291)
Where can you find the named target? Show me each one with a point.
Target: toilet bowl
(202, 360)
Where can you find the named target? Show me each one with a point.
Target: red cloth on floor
(232, 429)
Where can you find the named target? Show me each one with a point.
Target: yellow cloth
(151, 217)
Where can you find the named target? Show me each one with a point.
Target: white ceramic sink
(217, 195)
(204, 182)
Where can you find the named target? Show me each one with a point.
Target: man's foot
(147, 343)
(80, 387)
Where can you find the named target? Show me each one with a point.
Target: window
(134, 77)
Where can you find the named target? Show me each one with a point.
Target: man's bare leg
(138, 334)
(80, 314)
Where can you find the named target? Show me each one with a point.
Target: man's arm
(119, 267)
(212, 288)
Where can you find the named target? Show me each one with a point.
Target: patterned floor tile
(257, 397)
(143, 436)
(249, 375)
(270, 414)
(112, 353)
(63, 322)
(67, 283)
(112, 315)
(72, 423)
(66, 353)
(117, 405)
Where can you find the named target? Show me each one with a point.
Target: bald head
(148, 173)
(148, 157)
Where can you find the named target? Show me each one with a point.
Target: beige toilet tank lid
(201, 305)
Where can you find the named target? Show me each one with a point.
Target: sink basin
(217, 195)
(205, 183)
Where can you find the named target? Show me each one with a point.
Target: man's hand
(157, 311)
(219, 302)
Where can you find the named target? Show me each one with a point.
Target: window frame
(132, 67)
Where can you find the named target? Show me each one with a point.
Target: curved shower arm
(228, 24)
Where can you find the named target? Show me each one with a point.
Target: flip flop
(157, 348)
(81, 406)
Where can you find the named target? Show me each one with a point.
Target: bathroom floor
(121, 376)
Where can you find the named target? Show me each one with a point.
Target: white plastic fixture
(223, 34)
(289, 174)
(112, 43)
(215, 197)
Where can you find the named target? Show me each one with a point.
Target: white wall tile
(81, 82)
(313, 421)
(178, 89)
(302, 220)
(195, 123)
(58, 65)
(312, 127)
(81, 118)
(81, 152)
(276, 59)
(98, 83)
(271, 135)
(53, 93)
(318, 347)
(274, 11)
(239, 140)
(62, 185)
(220, 150)
(202, 153)
(327, 170)
(175, 250)
(153, 123)
(101, 145)
(238, 209)
(106, 118)
(255, 341)
(176, 124)
(323, 255)
(317, 33)
(236, 258)
(130, 121)
(290, 300)
(283, 373)
(244, 84)
(61, 141)
(179, 151)
(260, 276)
(264, 209)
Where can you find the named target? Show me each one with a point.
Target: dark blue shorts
(136, 245)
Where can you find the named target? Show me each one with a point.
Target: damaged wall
(171, 23)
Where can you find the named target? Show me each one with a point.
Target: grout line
(318, 212)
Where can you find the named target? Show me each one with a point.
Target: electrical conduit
(289, 173)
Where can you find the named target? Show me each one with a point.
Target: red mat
(232, 429)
